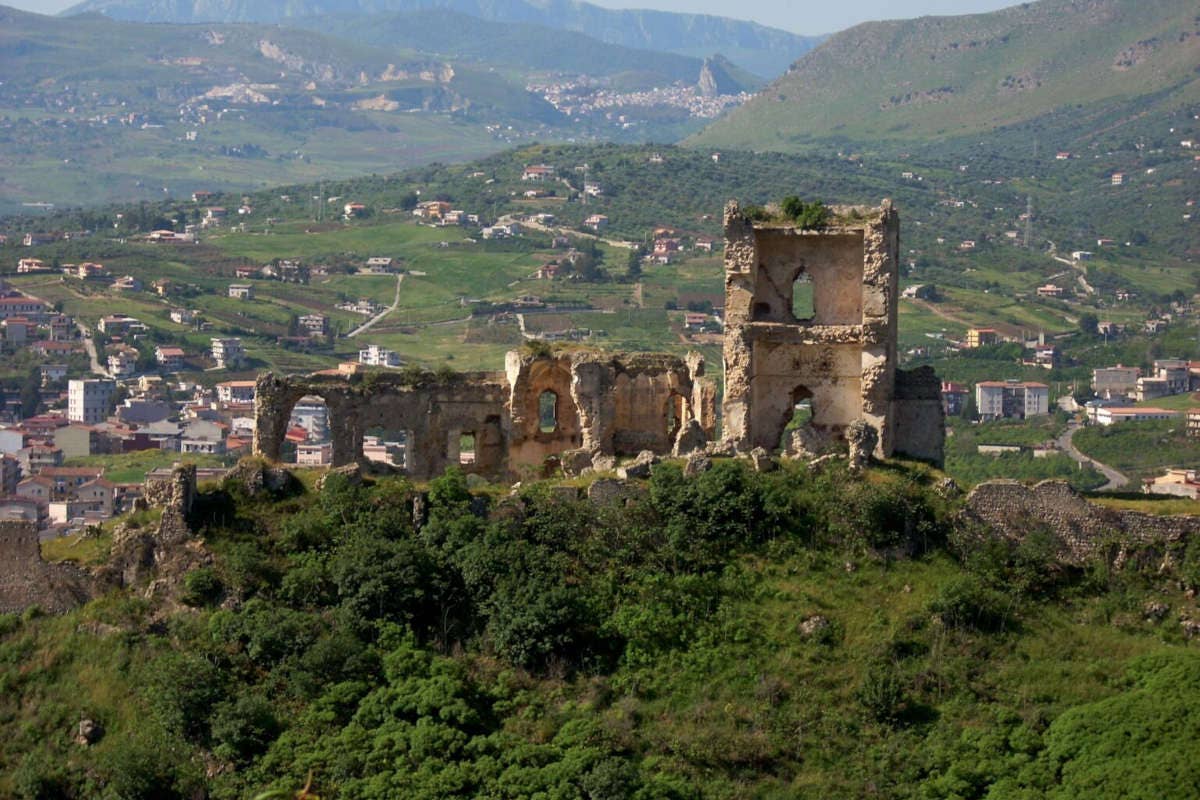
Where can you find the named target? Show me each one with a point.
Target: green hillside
(728, 635)
(937, 77)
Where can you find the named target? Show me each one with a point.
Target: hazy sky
(801, 16)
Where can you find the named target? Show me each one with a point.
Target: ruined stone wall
(433, 412)
(1082, 529)
(919, 419)
(615, 404)
(842, 356)
(26, 580)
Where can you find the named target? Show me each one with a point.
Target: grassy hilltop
(725, 636)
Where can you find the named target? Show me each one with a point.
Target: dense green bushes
(531, 645)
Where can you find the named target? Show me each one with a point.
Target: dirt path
(366, 326)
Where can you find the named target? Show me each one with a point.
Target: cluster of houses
(40, 484)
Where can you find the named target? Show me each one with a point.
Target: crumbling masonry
(810, 319)
(538, 408)
(840, 357)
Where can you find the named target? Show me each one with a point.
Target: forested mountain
(763, 50)
(944, 76)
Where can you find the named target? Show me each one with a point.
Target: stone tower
(810, 319)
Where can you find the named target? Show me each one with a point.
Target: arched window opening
(548, 412)
(307, 440)
(676, 414)
(466, 447)
(799, 415)
(802, 298)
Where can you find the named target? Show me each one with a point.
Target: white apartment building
(1011, 399)
(88, 399)
(228, 353)
(376, 356)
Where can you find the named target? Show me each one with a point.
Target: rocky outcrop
(26, 580)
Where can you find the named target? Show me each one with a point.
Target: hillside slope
(765, 51)
(97, 109)
(520, 45)
(946, 76)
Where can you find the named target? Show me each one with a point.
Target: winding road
(1115, 479)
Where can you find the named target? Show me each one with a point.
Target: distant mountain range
(939, 77)
(762, 50)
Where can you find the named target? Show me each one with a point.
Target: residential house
(10, 474)
(1174, 482)
(1193, 422)
(62, 328)
(954, 398)
(119, 325)
(26, 266)
(16, 330)
(241, 291)
(1050, 290)
(183, 316)
(538, 173)
(596, 222)
(1113, 415)
(432, 209)
(314, 324)
(235, 392)
(28, 307)
(1118, 381)
(38, 458)
(52, 373)
(127, 283)
(122, 361)
(89, 271)
(78, 441)
(376, 356)
(67, 479)
(981, 337)
(169, 357)
(24, 509)
(314, 455)
(354, 210)
(228, 352)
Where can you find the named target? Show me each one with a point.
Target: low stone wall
(1082, 529)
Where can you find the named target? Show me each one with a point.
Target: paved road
(1115, 479)
(90, 346)
(371, 322)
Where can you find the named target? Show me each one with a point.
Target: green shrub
(201, 587)
(882, 693)
(244, 728)
(966, 603)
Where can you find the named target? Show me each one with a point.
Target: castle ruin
(832, 350)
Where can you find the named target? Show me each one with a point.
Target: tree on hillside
(1089, 324)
